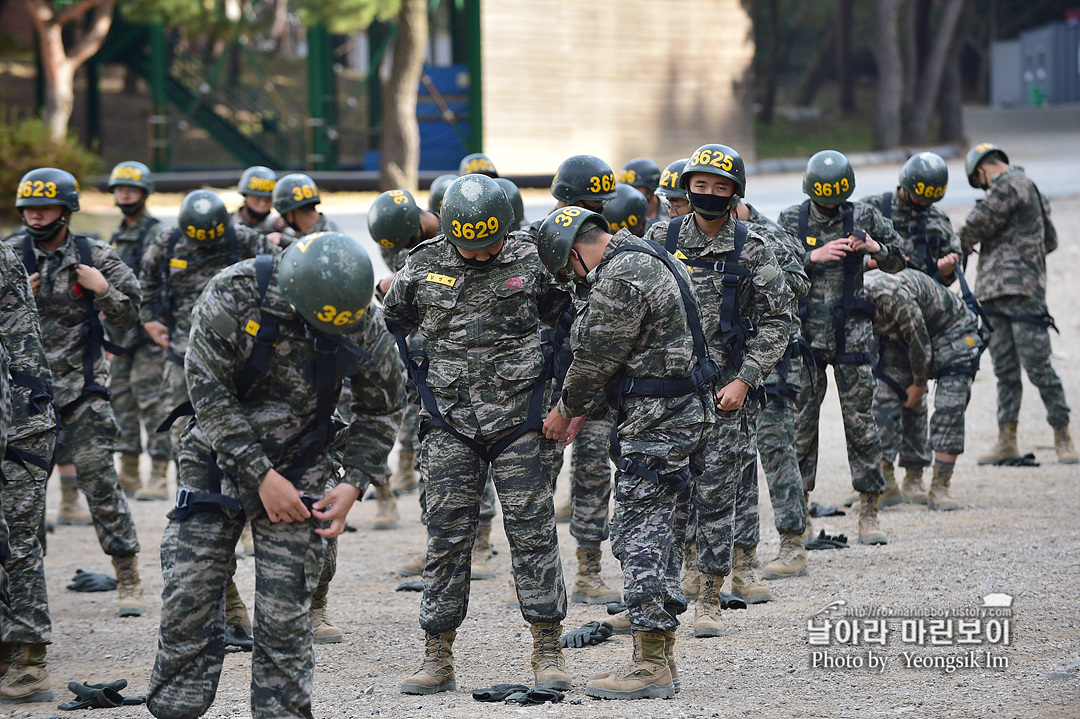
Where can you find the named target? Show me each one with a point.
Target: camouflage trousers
(89, 433)
(715, 490)
(776, 446)
(196, 558)
(1016, 344)
(649, 527)
(25, 620)
(409, 426)
(455, 477)
(136, 384)
(173, 394)
(903, 429)
(855, 385)
(590, 480)
(747, 517)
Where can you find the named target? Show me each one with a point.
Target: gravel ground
(1016, 534)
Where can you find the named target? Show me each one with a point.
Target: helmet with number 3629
(327, 278)
(476, 213)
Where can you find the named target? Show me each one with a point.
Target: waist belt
(677, 482)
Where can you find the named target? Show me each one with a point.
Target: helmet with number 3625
(829, 178)
(327, 278)
(924, 177)
(476, 213)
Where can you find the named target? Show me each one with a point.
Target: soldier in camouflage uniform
(135, 375)
(31, 434)
(257, 188)
(296, 199)
(641, 324)
(838, 234)
(1013, 231)
(70, 295)
(479, 296)
(931, 333)
(922, 183)
(747, 329)
(264, 410)
(643, 175)
(669, 189)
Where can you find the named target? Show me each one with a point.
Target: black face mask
(480, 264)
(131, 208)
(49, 231)
(257, 216)
(826, 210)
(711, 207)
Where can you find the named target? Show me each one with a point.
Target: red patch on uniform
(77, 289)
(515, 283)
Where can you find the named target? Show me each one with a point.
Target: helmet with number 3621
(293, 191)
(476, 213)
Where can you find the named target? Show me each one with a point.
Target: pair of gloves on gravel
(518, 694)
(99, 696)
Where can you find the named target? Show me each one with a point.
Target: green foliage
(206, 17)
(345, 16)
(25, 144)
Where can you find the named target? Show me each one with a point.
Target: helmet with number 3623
(829, 178)
(47, 186)
(327, 278)
(476, 213)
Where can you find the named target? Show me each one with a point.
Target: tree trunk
(890, 85)
(929, 84)
(400, 143)
(817, 70)
(951, 98)
(844, 75)
(772, 62)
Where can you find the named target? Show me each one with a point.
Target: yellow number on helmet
(493, 224)
(297, 193)
(327, 314)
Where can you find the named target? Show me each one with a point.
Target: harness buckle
(183, 495)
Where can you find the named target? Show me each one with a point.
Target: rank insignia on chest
(812, 241)
(679, 255)
(515, 283)
(970, 341)
(178, 264)
(441, 279)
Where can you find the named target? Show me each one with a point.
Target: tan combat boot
(851, 500)
(646, 677)
(939, 498)
(563, 512)
(669, 652)
(1005, 447)
(157, 486)
(914, 491)
(71, 512)
(869, 530)
(324, 632)
(892, 494)
(790, 562)
(236, 613)
(6, 650)
(130, 481)
(691, 577)
(620, 623)
(481, 554)
(386, 514)
(414, 567)
(744, 583)
(27, 680)
(589, 587)
(128, 586)
(436, 672)
(404, 478)
(707, 621)
(1063, 444)
(548, 665)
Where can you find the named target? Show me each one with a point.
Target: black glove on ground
(536, 695)
(825, 541)
(587, 635)
(498, 693)
(817, 510)
(92, 582)
(1024, 460)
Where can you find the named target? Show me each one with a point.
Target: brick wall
(613, 78)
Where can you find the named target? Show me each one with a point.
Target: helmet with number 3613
(829, 178)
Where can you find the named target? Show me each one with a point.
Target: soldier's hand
(281, 499)
(274, 238)
(556, 426)
(334, 507)
(857, 242)
(947, 264)
(384, 284)
(914, 393)
(831, 251)
(91, 279)
(35, 283)
(158, 332)
(732, 396)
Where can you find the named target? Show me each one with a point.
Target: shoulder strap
(731, 327)
(95, 340)
(230, 238)
(886, 205)
(804, 221)
(671, 242)
(265, 331)
(29, 259)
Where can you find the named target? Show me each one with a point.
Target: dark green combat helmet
(258, 181)
(627, 210)
(477, 164)
(437, 191)
(328, 279)
(640, 172)
(924, 178)
(203, 216)
(829, 178)
(720, 160)
(514, 195)
(557, 235)
(132, 174)
(583, 178)
(47, 186)
(476, 213)
(976, 155)
(293, 191)
(669, 180)
(394, 219)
